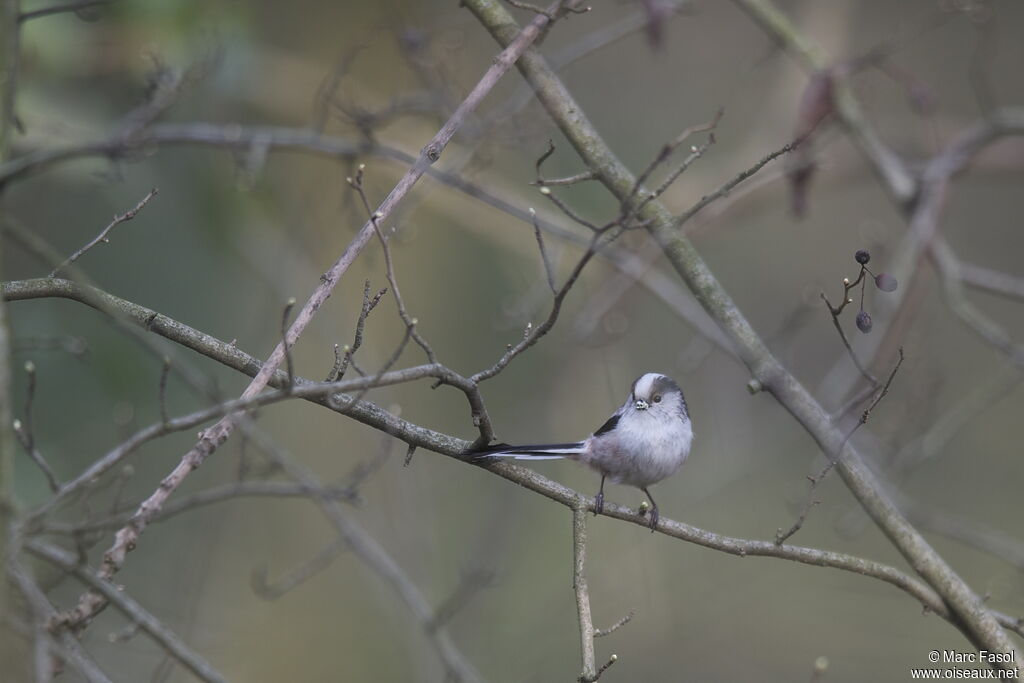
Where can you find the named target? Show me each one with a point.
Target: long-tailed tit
(643, 442)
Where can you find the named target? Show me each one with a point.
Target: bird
(646, 440)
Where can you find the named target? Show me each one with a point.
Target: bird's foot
(599, 503)
(653, 523)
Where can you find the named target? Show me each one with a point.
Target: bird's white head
(658, 394)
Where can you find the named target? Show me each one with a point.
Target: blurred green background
(230, 237)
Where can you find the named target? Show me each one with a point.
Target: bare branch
(26, 442)
(666, 152)
(152, 626)
(103, 238)
(728, 187)
(342, 361)
(548, 270)
(579, 584)
(25, 433)
(75, 7)
(836, 311)
(533, 334)
(67, 646)
(126, 538)
(602, 632)
(833, 460)
(980, 626)
(417, 436)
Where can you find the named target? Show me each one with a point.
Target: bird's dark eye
(657, 398)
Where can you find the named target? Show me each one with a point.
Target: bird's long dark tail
(549, 451)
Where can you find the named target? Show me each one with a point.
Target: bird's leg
(653, 524)
(599, 499)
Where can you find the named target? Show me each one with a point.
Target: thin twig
(602, 632)
(416, 435)
(77, 6)
(344, 359)
(780, 535)
(978, 624)
(103, 238)
(25, 433)
(666, 151)
(534, 334)
(67, 646)
(126, 539)
(30, 394)
(356, 182)
(836, 311)
(481, 419)
(157, 630)
(36, 456)
(364, 546)
(727, 187)
(548, 270)
(303, 389)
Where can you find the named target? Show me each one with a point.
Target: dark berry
(862, 256)
(864, 322)
(885, 282)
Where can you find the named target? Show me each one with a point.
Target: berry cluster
(884, 282)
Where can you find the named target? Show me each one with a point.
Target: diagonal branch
(127, 537)
(974, 620)
(152, 626)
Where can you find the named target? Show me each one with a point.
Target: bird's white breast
(643, 449)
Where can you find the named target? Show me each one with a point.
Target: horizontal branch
(438, 442)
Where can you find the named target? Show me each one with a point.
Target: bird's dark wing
(609, 425)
